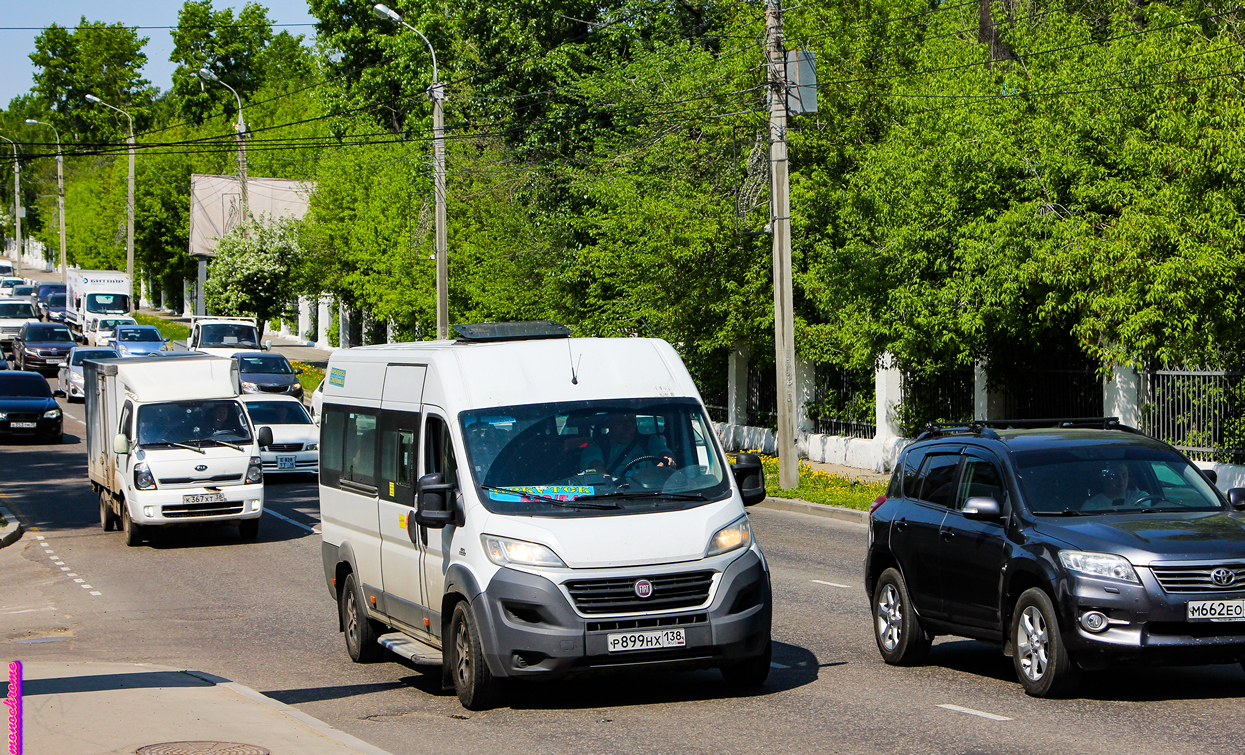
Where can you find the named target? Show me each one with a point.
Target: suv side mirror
(264, 435)
(1211, 475)
(982, 509)
(750, 477)
(1236, 497)
(120, 444)
(432, 501)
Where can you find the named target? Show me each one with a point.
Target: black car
(52, 308)
(42, 346)
(268, 373)
(27, 408)
(44, 290)
(1073, 548)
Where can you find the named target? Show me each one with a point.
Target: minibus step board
(419, 653)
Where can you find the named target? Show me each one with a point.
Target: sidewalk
(116, 708)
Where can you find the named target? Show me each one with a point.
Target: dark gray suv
(1073, 546)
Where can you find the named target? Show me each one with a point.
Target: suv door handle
(947, 535)
(901, 525)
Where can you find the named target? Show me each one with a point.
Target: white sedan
(295, 438)
(69, 377)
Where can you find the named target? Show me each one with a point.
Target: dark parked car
(44, 290)
(268, 373)
(24, 292)
(27, 408)
(52, 309)
(1072, 548)
(42, 346)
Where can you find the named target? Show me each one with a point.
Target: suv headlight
(143, 479)
(52, 414)
(1099, 565)
(504, 551)
(737, 534)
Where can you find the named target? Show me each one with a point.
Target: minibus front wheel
(473, 682)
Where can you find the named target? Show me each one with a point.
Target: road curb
(816, 509)
(11, 532)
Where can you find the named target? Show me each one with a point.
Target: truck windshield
(593, 458)
(217, 336)
(1112, 479)
(192, 422)
(107, 304)
(16, 310)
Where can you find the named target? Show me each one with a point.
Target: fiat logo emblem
(643, 588)
(1221, 577)
(201, 468)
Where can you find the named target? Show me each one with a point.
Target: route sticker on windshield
(337, 377)
(531, 492)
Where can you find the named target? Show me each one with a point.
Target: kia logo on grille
(643, 588)
(1221, 577)
(201, 468)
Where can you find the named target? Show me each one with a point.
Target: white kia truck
(520, 504)
(169, 443)
(92, 294)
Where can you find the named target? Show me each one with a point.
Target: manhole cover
(202, 748)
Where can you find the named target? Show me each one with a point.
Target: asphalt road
(259, 613)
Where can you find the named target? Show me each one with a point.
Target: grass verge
(310, 378)
(167, 328)
(821, 487)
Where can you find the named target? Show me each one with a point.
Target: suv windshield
(193, 423)
(268, 364)
(277, 413)
(215, 336)
(16, 310)
(107, 304)
(49, 335)
(1112, 478)
(593, 457)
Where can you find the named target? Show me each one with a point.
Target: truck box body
(95, 293)
(191, 453)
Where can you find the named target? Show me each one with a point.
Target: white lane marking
(75, 419)
(971, 712)
(64, 568)
(28, 610)
(291, 521)
(830, 584)
(79, 580)
(38, 537)
(86, 587)
(46, 545)
(71, 575)
(96, 592)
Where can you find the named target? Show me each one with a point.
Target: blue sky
(17, 44)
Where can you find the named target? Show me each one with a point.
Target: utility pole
(780, 227)
(17, 207)
(60, 195)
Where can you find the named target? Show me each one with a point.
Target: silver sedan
(69, 377)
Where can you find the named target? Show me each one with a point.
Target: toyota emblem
(201, 468)
(1221, 577)
(643, 588)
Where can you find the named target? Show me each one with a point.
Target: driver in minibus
(622, 444)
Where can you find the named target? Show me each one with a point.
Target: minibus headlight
(737, 534)
(504, 551)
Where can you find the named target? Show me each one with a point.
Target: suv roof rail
(985, 427)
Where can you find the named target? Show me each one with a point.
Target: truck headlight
(143, 479)
(255, 472)
(504, 551)
(52, 414)
(737, 534)
(1099, 565)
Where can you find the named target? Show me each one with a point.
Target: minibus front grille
(619, 594)
(651, 622)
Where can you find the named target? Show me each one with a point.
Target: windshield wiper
(1065, 512)
(234, 446)
(174, 443)
(646, 494)
(571, 504)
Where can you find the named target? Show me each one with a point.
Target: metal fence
(763, 396)
(944, 397)
(1045, 394)
(843, 402)
(1201, 412)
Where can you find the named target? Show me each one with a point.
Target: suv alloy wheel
(899, 635)
(1041, 659)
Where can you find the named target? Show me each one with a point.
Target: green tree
(231, 47)
(252, 272)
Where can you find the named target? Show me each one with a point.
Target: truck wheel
(899, 635)
(107, 519)
(361, 631)
(133, 532)
(752, 672)
(1041, 659)
(473, 682)
(249, 528)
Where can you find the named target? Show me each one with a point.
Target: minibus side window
(331, 445)
(439, 451)
(360, 448)
(398, 452)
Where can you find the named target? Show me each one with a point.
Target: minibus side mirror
(750, 477)
(265, 436)
(1236, 497)
(432, 497)
(982, 509)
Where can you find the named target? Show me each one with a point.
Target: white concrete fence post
(324, 318)
(888, 394)
(1122, 395)
(304, 320)
(737, 385)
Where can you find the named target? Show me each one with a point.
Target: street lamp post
(240, 128)
(17, 206)
(60, 195)
(437, 96)
(129, 221)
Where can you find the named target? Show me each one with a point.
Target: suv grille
(281, 448)
(1195, 579)
(617, 595)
